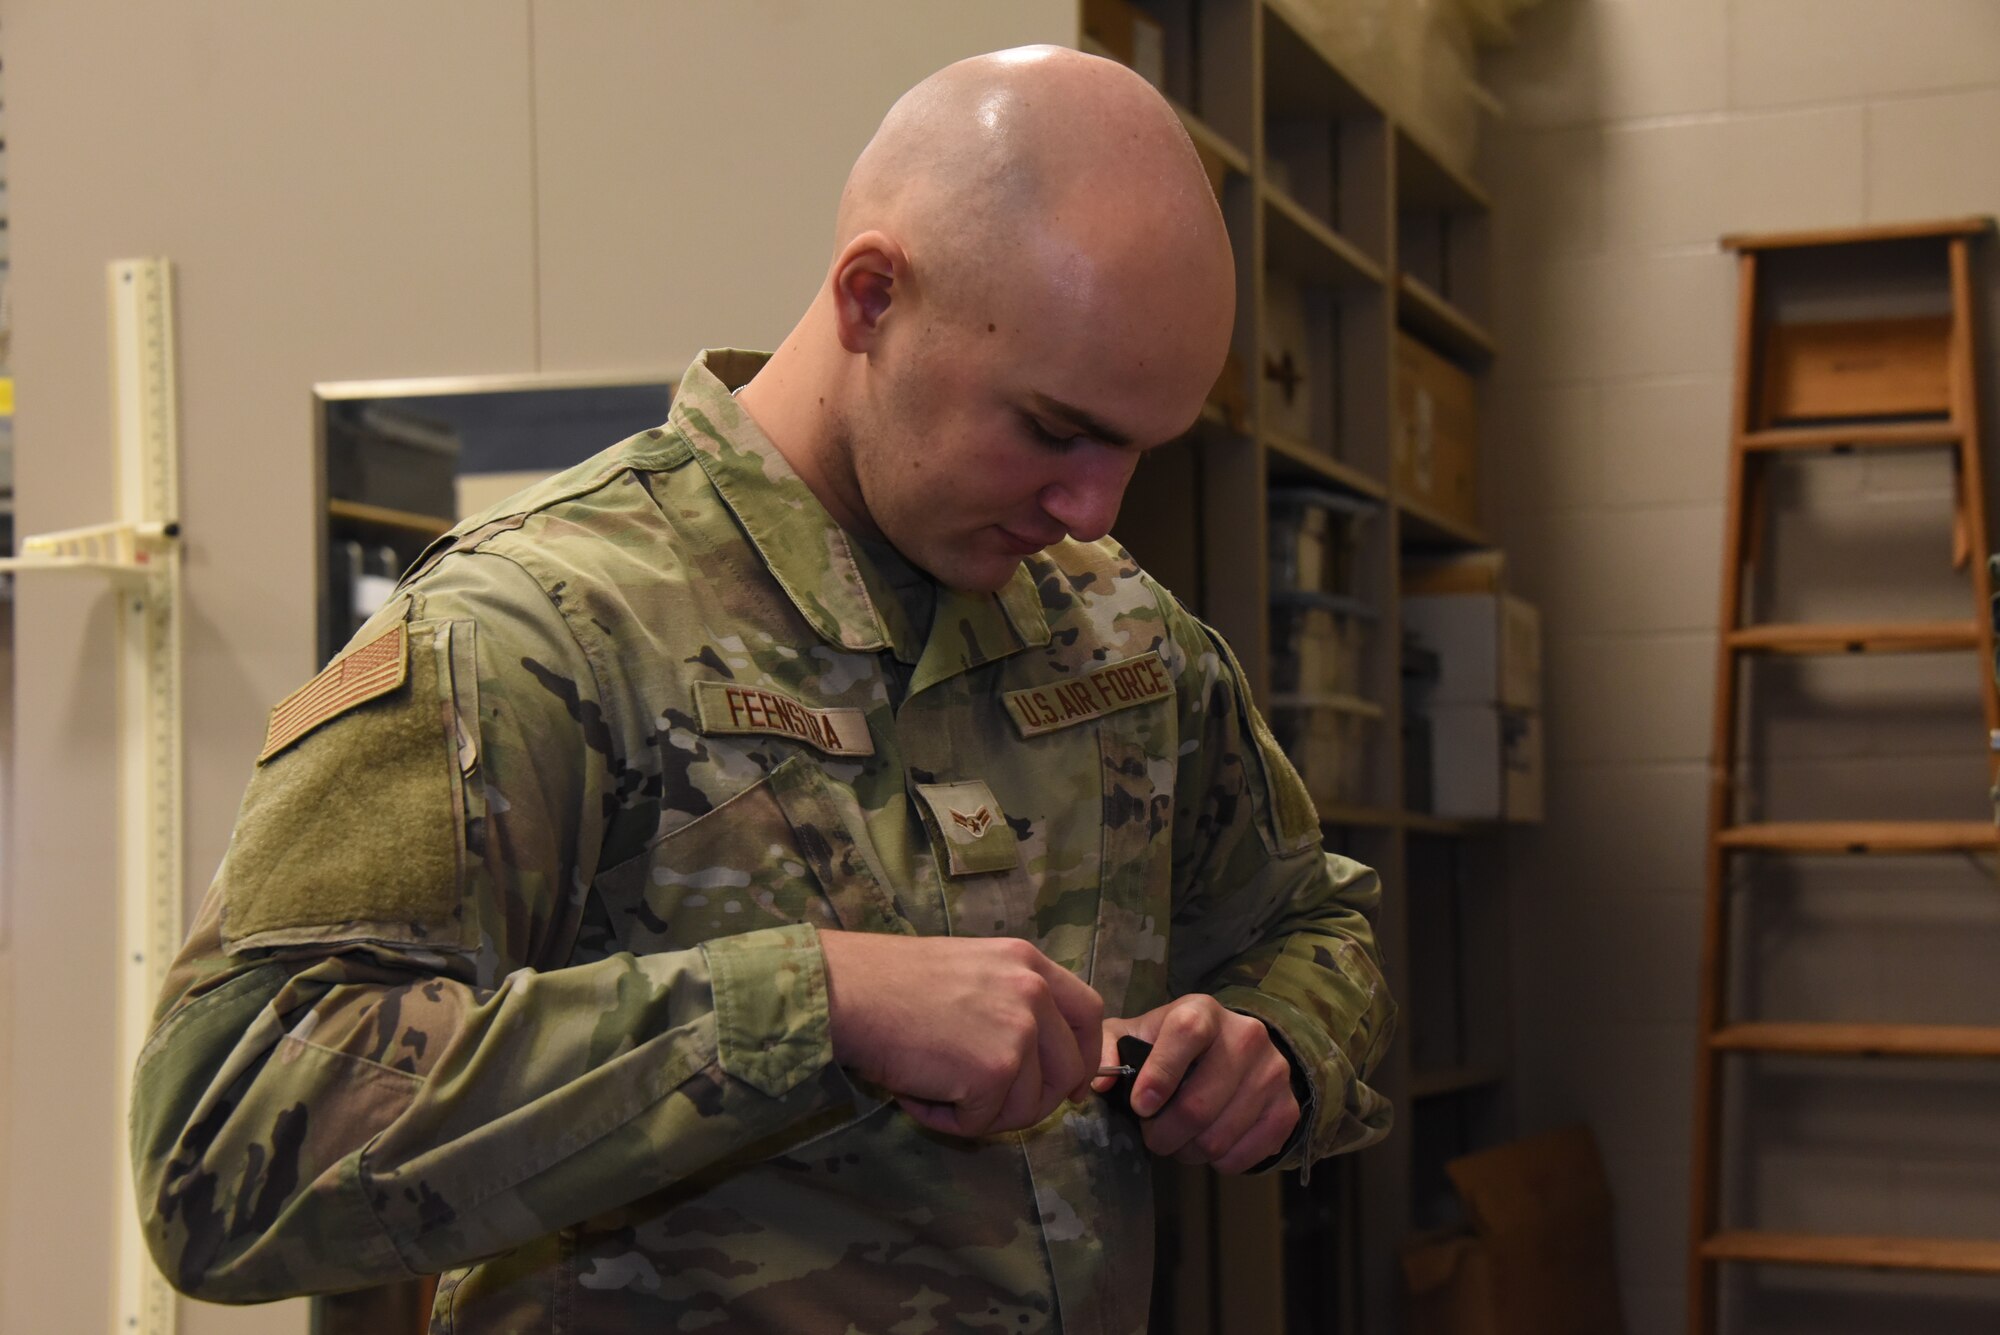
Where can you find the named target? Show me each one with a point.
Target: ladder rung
(1964, 1256)
(1864, 836)
(1860, 1040)
(1868, 435)
(1939, 229)
(1907, 637)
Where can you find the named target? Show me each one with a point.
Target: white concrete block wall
(1638, 131)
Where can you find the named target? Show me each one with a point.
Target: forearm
(1316, 979)
(298, 1132)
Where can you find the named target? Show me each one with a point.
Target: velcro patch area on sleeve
(353, 832)
(356, 677)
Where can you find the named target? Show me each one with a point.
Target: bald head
(1039, 165)
(1031, 284)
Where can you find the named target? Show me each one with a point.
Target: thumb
(1108, 1052)
(939, 1117)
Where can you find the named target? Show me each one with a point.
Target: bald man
(704, 898)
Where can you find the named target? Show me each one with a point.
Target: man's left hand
(1216, 1090)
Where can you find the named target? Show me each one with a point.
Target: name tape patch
(354, 678)
(1088, 695)
(727, 708)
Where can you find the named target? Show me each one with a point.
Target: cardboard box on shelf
(1316, 538)
(1486, 763)
(1329, 740)
(1539, 1259)
(1437, 432)
(1489, 647)
(1483, 571)
(1318, 644)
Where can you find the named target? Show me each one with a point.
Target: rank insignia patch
(967, 823)
(976, 822)
(356, 677)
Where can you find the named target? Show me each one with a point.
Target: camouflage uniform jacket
(511, 970)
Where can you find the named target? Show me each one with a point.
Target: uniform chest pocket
(785, 850)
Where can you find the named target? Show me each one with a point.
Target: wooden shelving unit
(1348, 229)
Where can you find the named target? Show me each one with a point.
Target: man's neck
(789, 401)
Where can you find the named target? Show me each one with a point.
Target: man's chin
(977, 577)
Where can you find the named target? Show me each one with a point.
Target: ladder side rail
(1705, 1168)
(1964, 380)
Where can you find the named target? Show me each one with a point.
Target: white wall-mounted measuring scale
(141, 553)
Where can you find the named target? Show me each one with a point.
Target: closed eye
(1053, 440)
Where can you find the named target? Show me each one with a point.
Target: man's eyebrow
(1081, 420)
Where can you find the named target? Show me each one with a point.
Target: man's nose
(1085, 499)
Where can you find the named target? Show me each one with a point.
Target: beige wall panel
(1623, 697)
(1615, 59)
(1666, 442)
(1933, 156)
(1613, 571)
(1554, 198)
(1660, 180)
(1788, 51)
(1642, 313)
(1627, 827)
(345, 192)
(1568, 470)
(689, 157)
(1795, 169)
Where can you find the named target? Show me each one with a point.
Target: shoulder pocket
(1286, 818)
(354, 828)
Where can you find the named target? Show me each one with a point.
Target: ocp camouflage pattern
(512, 974)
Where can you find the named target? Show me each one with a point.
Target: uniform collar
(812, 559)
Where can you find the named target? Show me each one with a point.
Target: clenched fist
(1216, 1088)
(973, 1035)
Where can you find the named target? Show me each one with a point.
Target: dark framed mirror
(402, 461)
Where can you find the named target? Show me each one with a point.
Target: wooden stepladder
(1896, 382)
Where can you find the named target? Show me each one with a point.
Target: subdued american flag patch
(359, 675)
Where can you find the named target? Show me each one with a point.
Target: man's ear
(865, 277)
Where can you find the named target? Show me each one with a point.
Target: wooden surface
(381, 516)
(1861, 1040)
(1423, 311)
(1307, 248)
(1847, 236)
(1856, 637)
(1853, 435)
(1704, 1163)
(1838, 369)
(1863, 836)
(1834, 371)
(1963, 1256)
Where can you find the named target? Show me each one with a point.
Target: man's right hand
(973, 1035)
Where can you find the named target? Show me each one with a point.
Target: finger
(1190, 1112)
(1265, 1139)
(1063, 1066)
(939, 1117)
(1082, 1013)
(1243, 1108)
(1019, 1101)
(1107, 1053)
(1183, 1037)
